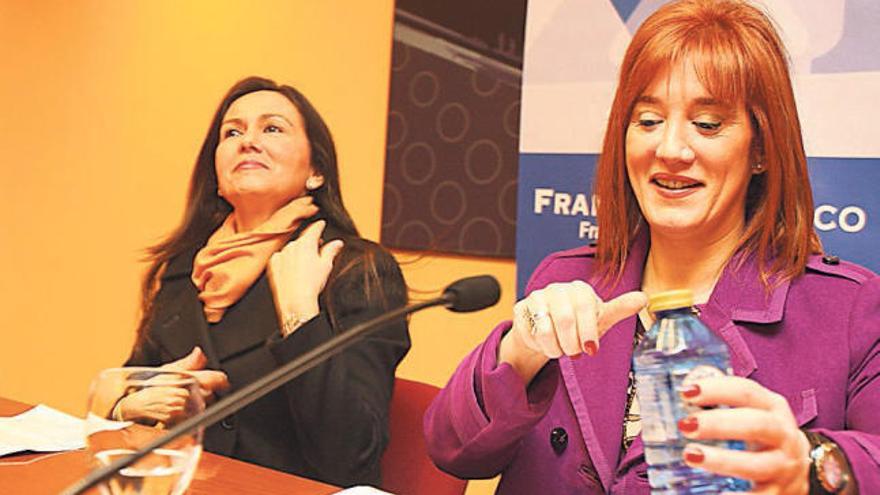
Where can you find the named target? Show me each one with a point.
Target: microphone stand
(258, 388)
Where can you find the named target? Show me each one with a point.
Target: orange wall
(103, 105)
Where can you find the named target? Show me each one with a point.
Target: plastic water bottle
(678, 350)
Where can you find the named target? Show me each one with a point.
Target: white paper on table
(43, 429)
(362, 490)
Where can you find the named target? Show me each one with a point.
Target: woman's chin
(675, 226)
(250, 196)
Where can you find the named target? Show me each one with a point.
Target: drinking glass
(130, 407)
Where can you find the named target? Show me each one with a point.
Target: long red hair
(738, 57)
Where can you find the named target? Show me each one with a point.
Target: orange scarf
(231, 262)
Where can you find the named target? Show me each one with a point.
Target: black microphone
(472, 294)
(467, 294)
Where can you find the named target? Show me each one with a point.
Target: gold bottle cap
(670, 299)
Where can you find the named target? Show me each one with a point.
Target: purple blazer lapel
(741, 297)
(597, 389)
(597, 385)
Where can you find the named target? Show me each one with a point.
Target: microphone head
(472, 293)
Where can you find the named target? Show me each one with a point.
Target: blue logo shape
(625, 8)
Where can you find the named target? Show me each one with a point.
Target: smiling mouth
(250, 165)
(676, 185)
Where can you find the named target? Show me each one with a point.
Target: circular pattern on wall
(511, 120)
(397, 129)
(392, 205)
(483, 161)
(474, 236)
(483, 84)
(507, 203)
(415, 233)
(453, 122)
(451, 156)
(424, 88)
(418, 163)
(448, 202)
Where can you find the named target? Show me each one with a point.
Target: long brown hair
(206, 210)
(739, 57)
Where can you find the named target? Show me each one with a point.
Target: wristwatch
(829, 469)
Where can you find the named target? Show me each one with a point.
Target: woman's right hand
(298, 274)
(562, 319)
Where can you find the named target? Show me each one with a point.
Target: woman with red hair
(702, 184)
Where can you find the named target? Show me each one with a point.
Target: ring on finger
(533, 318)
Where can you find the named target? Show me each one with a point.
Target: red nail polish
(690, 391)
(693, 455)
(688, 424)
(591, 348)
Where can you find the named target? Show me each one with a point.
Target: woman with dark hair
(702, 184)
(266, 265)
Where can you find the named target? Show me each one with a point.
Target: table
(49, 473)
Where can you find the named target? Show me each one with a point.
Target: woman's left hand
(778, 459)
(299, 272)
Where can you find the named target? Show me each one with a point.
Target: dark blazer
(330, 423)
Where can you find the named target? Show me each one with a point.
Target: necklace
(631, 417)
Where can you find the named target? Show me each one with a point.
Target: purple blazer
(815, 340)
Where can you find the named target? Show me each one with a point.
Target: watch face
(831, 473)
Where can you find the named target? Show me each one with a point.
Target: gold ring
(533, 319)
